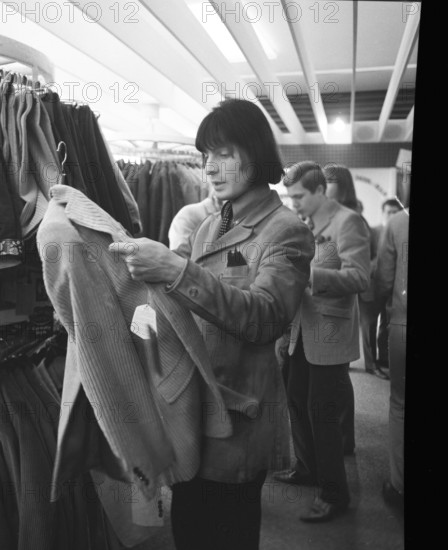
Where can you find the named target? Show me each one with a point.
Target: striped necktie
(226, 215)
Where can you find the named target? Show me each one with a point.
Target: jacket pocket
(173, 384)
(335, 311)
(237, 276)
(236, 401)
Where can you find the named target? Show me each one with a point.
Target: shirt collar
(246, 203)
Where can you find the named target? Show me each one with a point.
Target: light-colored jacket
(328, 316)
(241, 310)
(132, 408)
(187, 220)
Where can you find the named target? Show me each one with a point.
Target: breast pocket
(237, 276)
(334, 311)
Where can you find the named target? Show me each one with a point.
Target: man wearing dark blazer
(324, 339)
(381, 357)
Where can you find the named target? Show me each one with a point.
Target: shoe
(321, 511)
(381, 374)
(392, 496)
(295, 478)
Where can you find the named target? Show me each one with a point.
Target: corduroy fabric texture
(166, 407)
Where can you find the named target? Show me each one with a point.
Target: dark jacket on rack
(10, 228)
(165, 200)
(30, 414)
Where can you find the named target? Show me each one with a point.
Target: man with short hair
(380, 343)
(324, 339)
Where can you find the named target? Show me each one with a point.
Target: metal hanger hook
(65, 155)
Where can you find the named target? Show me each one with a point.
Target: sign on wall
(373, 186)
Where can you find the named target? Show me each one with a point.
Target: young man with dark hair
(323, 340)
(242, 274)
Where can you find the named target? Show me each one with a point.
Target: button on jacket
(146, 396)
(241, 309)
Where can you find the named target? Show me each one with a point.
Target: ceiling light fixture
(218, 32)
(339, 125)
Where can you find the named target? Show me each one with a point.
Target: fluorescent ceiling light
(217, 32)
(339, 125)
(253, 14)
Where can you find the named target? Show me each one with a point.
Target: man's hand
(281, 349)
(149, 260)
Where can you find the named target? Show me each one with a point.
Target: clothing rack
(20, 81)
(36, 349)
(154, 152)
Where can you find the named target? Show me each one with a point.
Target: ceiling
(153, 69)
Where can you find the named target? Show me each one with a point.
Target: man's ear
(320, 189)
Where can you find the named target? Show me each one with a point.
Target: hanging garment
(29, 152)
(161, 189)
(28, 520)
(130, 382)
(191, 184)
(10, 229)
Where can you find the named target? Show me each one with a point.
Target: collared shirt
(246, 202)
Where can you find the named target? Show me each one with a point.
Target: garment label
(144, 321)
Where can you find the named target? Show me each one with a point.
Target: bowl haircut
(240, 123)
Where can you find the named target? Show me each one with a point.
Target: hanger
(63, 174)
(12, 353)
(51, 347)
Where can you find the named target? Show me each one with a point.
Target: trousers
(214, 515)
(397, 370)
(317, 398)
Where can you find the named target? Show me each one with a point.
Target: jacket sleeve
(353, 274)
(385, 269)
(263, 312)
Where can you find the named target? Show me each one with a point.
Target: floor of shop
(369, 523)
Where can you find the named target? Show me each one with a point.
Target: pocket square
(235, 259)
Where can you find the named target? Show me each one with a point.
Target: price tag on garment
(144, 321)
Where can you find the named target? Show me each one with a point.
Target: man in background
(324, 340)
(379, 332)
(391, 283)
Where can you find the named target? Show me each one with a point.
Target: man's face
(305, 203)
(225, 172)
(388, 212)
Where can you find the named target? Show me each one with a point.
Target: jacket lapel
(241, 231)
(323, 216)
